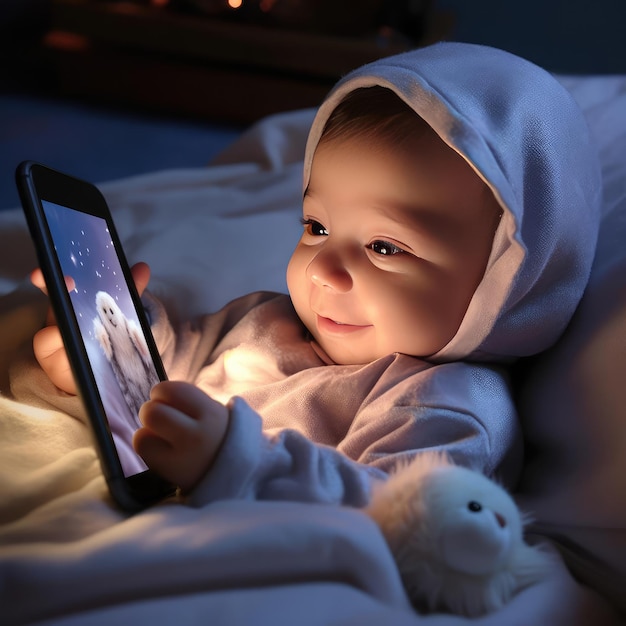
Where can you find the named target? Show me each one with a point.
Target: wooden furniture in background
(146, 57)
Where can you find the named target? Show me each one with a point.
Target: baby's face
(395, 242)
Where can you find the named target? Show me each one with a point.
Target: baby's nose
(327, 270)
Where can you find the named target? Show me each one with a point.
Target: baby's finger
(155, 451)
(51, 355)
(168, 423)
(186, 397)
(47, 342)
(148, 444)
(141, 276)
(70, 283)
(36, 277)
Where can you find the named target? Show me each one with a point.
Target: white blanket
(68, 556)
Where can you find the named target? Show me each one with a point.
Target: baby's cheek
(297, 282)
(294, 269)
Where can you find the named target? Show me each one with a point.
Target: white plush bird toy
(457, 537)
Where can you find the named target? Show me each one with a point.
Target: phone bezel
(37, 182)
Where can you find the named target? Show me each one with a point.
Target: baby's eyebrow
(407, 215)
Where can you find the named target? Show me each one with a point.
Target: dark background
(101, 142)
(565, 36)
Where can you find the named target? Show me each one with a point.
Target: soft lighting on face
(235, 4)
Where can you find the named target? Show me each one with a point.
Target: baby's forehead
(392, 135)
(422, 150)
(420, 187)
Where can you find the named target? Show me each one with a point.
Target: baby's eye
(384, 248)
(314, 228)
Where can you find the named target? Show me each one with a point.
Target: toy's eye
(474, 507)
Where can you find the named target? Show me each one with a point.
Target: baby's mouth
(327, 324)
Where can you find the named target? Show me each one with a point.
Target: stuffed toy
(457, 537)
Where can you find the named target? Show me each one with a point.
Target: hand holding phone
(109, 344)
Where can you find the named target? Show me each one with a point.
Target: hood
(527, 139)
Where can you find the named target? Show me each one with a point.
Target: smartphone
(104, 327)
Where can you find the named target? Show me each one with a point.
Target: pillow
(573, 397)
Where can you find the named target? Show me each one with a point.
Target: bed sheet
(67, 556)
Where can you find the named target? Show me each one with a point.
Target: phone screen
(109, 325)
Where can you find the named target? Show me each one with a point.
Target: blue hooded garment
(527, 139)
(301, 429)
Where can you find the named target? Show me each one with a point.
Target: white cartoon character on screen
(126, 350)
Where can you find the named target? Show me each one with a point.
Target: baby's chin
(338, 355)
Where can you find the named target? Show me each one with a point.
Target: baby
(450, 213)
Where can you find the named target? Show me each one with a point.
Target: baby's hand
(47, 343)
(183, 429)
